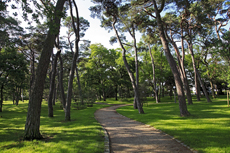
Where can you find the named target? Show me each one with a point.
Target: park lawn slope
(82, 134)
(206, 130)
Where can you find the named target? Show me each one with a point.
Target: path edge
(193, 150)
(107, 141)
(106, 137)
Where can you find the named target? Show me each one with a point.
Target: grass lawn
(82, 135)
(206, 130)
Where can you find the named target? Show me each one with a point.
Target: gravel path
(127, 135)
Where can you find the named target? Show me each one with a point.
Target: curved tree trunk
(181, 66)
(140, 109)
(197, 72)
(212, 89)
(32, 126)
(70, 86)
(74, 61)
(172, 63)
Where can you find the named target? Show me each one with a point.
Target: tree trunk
(74, 61)
(212, 88)
(60, 79)
(163, 90)
(159, 92)
(22, 95)
(197, 87)
(13, 97)
(173, 66)
(181, 67)
(131, 76)
(197, 72)
(1, 101)
(116, 92)
(32, 71)
(55, 93)
(120, 91)
(136, 65)
(103, 93)
(154, 77)
(32, 126)
(79, 86)
(70, 84)
(217, 92)
(52, 85)
(17, 95)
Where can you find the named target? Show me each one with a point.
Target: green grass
(83, 134)
(206, 130)
(119, 101)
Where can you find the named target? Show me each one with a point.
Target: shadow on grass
(206, 130)
(82, 134)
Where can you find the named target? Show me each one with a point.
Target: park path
(127, 135)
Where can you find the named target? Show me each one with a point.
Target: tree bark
(55, 93)
(212, 89)
(13, 97)
(1, 101)
(136, 65)
(52, 84)
(32, 71)
(32, 126)
(131, 76)
(79, 86)
(116, 92)
(154, 77)
(185, 80)
(17, 95)
(103, 91)
(172, 63)
(74, 61)
(181, 67)
(60, 80)
(197, 72)
(197, 87)
(22, 95)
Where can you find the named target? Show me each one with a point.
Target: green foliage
(84, 25)
(207, 130)
(13, 67)
(82, 134)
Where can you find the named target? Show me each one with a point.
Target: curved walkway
(127, 135)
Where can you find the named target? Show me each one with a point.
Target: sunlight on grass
(82, 134)
(206, 130)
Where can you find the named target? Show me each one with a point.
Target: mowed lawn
(206, 130)
(81, 135)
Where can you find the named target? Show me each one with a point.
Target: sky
(95, 33)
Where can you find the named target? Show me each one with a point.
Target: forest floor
(126, 135)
